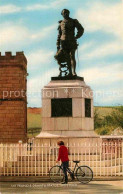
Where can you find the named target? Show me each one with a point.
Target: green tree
(97, 120)
(117, 116)
(106, 124)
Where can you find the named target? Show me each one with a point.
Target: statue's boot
(70, 75)
(74, 74)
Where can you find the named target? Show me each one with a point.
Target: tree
(106, 124)
(97, 120)
(118, 116)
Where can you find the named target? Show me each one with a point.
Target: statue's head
(65, 13)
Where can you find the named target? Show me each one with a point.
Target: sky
(31, 26)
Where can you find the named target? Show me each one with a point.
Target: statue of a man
(67, 41)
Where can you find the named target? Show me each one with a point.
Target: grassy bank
(33, 124)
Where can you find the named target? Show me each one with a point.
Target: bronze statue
(67, 43)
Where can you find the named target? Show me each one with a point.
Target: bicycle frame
(75, 168)
(74, 171)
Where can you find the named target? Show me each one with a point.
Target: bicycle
(84, 174)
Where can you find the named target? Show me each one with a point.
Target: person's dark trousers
(65, 167)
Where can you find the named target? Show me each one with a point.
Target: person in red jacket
(63, 156)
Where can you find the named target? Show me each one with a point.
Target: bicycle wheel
(56, 174)
(84, 174)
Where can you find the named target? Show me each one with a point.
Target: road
(94, 187)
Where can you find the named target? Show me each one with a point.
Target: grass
(103, 111)
(33, 124)
(33, 120)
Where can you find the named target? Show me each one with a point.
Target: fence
(36, 159)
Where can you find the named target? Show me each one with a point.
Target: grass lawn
(33, 124)
(103, 111)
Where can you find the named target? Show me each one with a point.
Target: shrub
(106, 124)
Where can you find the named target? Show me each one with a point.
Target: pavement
(95, 187)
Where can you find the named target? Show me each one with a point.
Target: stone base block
(67, 134)
(80, 141)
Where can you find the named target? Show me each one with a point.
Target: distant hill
(34, 110)
(33, 121)
(102, 110)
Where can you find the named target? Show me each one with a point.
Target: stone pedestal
(67, 110)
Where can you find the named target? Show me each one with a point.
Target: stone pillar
(13, 100)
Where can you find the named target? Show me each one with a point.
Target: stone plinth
(67, 113)
(80, 122)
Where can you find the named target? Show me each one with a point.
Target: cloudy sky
(31, 26)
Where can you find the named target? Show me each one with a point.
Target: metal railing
(36, 159)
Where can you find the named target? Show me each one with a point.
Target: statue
(67, 43)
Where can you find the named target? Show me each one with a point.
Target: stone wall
(13, 101)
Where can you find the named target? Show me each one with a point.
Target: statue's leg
(69, 67)
(60, 71)
(73, 61)
(57, 59)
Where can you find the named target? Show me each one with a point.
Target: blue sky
(31, 26)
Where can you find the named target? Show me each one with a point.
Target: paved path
(95, 187)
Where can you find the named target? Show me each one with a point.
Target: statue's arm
(58, 37)
(80, 29)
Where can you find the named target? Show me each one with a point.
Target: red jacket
(63, 154)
